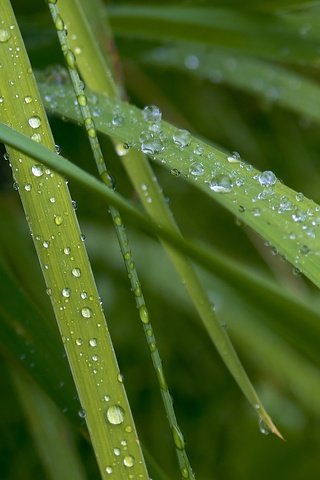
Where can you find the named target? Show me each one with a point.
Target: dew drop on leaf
(128, 461)
(115, 415)
(221, 184)
(151, 113)
(34, 121)
(86, 312)
(182, 138)
(37, 170)
(267, 178)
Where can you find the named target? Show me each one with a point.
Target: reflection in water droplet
(221, 184)
(115, 415)
(93, 342)
(82, 413)
(37, 170)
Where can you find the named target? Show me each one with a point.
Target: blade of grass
(66, 269)
(258, 198)
(183, 461)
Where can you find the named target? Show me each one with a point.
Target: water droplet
(144, 316)
(82, 413)
(182, 138)
(58, 220)
(109, 470)
(256, 212)
(76, 272)
(34, 121)
(66, 292)
(67, 251)
(117, 120)
(52, 199)
(36, 137)
(117, 452)
(79, 342)
(45, 244)
(198, 150)
(299, 197)
(128, 461)
(115, 415)
(1, 100)
(4, 35)
(267, 178)
(37, 170)
(152, 146)
(191, 62)
(86, 312)
(152, 114)
(304, 250)
(234, 157)
(28, 187)
(178, 437)
(196, 169)
(299, 216)
(27, 99)
(83, 295)
(263, 427)
(93, 342)
(221, 184)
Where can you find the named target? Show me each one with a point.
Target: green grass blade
(66, 269)
(285, 218)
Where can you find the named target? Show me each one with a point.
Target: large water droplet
(128, 461)
(182, 138)
(37, 170)
(34, 121)
(234, 157)
(267, 178)
(86, 312)
(152, 114)
(4, 35)
(152, 146)
(93, 342)
(115, 415)
(196, 169)
(66, 292)
(221, 184)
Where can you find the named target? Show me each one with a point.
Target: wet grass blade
(66, 268)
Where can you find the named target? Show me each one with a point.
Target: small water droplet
(109, 470)
(93, 342)
(115, 415)
(52, 199)
(66, 292)
(263, 427)
(221, 184)
(299, 197)
(76, 272)
(34, 121)
(86, 312)
(144, 316)
(67, 251)
(82, 413)
(191, 62)
(182, 138)
(58, 220)
(234, 157)
(28, 187)
(79, 342)
(267, 178)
